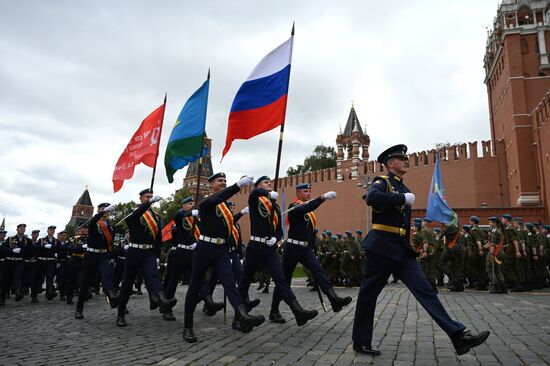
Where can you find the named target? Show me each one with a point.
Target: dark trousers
(43, 269)
(29, 273)
(292, 255)
(136, 259)
(377, 271)
(13, 275)
(258, 257)
(92, 264)
(236, 265)
(119, 272)
(217, 257)
(74, 275)
(61, 275)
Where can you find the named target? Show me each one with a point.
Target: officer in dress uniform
(298, 246)
(45, 251)
(388, 250)
(144, 252)
(98, 258)
(265, 232)
(3, 254)
(212, 251)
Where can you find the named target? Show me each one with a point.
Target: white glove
(409, 199)
(155, 199)
(195, 213)
(245, 211)
(55, 255)
(109, 208)
(274, 195)
(58, 265)
(16, 250)
(112, 262)
(158, 263)
(193, 246)
(126, 247)
(48, 246)
(330, 195)
(85, 246)
(245, 181)
(271, 241)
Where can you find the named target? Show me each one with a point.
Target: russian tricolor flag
(260, 103)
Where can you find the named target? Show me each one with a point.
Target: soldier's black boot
(166, 304)
(169, 316)
(336, 302)
(19, 295)
(34, 299)
(153, 301)
(120, 321)
(247, 321)
(2, 301)
(266, 289)
(235, 324)
(251, 304)
(188, 334)
(112, 299)
(211, 307)
(464, 341)
(69, 300)
(302, 316)
(276, 317)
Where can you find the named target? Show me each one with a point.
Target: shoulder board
(383, 178)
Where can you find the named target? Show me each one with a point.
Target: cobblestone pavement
(48, 334)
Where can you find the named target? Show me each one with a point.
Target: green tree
(122, 209)
(323, 157)
(69, 230)
(169, 206)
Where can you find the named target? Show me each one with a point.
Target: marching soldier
(439, 249)
(144, 253)
(493, 264)
(477, 255)
(45, 251)
(63, 264)
(532, 255)
(428, 254)
(98, 258)
(17, 248)
(265, 232)
(452, 258)
(30, 261)
(298, 246)
(388, 250)
(212, 251)
(511, 265)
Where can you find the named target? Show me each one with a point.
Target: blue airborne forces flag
(438, 209)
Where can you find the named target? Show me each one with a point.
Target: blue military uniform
(75, 252)
(265, 224)
(16, 249)
(144, 250)
(388, 250)
(45, 251)
(98, 259)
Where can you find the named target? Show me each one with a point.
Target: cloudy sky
(78, 77)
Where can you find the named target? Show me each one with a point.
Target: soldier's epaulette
(383, 178)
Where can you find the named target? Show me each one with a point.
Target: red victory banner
(142, 148)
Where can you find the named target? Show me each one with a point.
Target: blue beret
(329, 232)
(507, 216)
(187, 200)
(394, 151)
(259, 180)
(536, 224)
(146, 190)
(547, 227)
(303, 186)
(493, 218)
(359, 232)
(427, 220)
(105, 204)
(52, 227)
(529, 225)
(334, 237)
(339, 235)
(18, 226)
(474, 219)
(417, 219)
(437, 230)
(348, 232)
(216, 176)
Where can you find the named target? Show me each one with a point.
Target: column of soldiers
(510, 256)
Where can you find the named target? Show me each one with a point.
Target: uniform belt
(141, 246)
(297, 242)
(30, 260)
(14, 259)
(390, 229)
(208, 239)
(258, 239)
(121, 257)
(183, 246)
(46, 259)
(94, 250)
(80, 255)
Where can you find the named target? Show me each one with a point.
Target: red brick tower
(353, 149)
(82, 210)
(190, 180)
(518, 77)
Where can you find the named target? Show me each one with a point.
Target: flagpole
(199, 167)
(281, 133)
(158, 144)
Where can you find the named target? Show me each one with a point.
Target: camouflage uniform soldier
(532, 255)
(525, 261)
(511, 265)
(470, 269)
(478, 238)
(452, 257)
(429, 253)
(544, 245)
(494, 261)
(326, 262)
(439, 248)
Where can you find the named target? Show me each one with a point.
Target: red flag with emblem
(142, 148)
(167, 231)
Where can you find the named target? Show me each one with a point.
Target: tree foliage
(323, 157)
